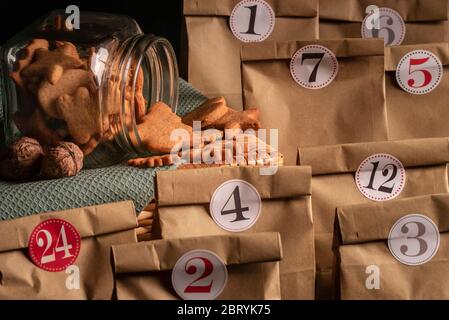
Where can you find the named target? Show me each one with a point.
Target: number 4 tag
(235, 205)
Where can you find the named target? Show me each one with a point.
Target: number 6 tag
(380, 177)
(54, 245)
(314, 67)
(199, 275)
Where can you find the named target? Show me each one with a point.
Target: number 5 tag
(419, 72)
(380, 177)
(314, 67)
(235, 205)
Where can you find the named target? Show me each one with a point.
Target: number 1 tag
(252, 20)
(54, 245)
(199, 275)
(380, 177)
(314, 67)
(235, 205)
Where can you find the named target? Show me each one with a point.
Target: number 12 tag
(380, 177)
(54, 245)
(314, 67)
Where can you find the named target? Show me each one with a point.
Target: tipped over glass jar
(90, 85)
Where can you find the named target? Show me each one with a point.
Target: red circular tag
(54, 245)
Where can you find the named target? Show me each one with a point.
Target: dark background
(159, 17)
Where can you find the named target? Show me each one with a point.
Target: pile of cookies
(214, 117)
(59, 95)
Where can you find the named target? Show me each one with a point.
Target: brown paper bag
(184, 211)
(414, 115)
(144, 270)
(99, 227)
(211, 52)
(426, 21)
(334, 185)
(350, 109)
(367, 267)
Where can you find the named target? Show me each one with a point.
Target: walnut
(64, 159)
(22, 159)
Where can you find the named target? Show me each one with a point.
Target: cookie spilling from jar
(214, 118)
(59, 96)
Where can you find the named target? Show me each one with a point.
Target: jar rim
(156, 57)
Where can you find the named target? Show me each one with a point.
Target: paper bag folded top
(419, 168)
(367, 267)
(211, 53)
(90, 276)
(186, 199)
(144, 270)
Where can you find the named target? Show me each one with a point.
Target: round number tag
(235, 205)
(414, 240)
(314, 67)
(419, 72)
(252, 20)
(199, 275)
(54, 245)
(380, 177)
(384, 23)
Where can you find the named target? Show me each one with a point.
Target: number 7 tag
(314, 67)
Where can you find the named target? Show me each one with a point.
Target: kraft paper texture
(333, 185)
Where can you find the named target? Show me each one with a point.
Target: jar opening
(144, 72)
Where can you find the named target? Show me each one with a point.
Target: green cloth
(90, 186)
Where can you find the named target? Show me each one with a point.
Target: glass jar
(91, 85)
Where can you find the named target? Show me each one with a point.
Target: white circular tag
(235, 205)
(419, 72)
(252, 20)
(314, 67)
(199, 275)
(384, 23)
(414, 239)
(380, 177)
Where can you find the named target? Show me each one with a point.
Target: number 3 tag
(235, 205)
(314, 67)
(380, 177)
(54, 245)
(414, 239)
(419, 72)
(199, 275)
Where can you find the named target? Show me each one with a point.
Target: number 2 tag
(54, 245)
(419, 72)
(199, 275)
(235, 205)
(314, 67)
(380, 177)
(414, 239)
